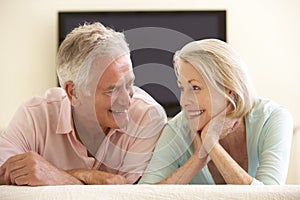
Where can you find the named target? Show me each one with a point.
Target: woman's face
(198, 99)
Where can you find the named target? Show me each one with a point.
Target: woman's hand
(199, 151)
(217, 128)
(197, 143)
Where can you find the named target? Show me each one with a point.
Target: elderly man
(97, 129)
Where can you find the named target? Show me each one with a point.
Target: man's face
(113, 94)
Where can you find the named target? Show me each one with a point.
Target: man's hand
(32, 169)
(96, 177)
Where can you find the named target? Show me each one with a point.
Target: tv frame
(67, 20)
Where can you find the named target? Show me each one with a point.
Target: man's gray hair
(80, 47)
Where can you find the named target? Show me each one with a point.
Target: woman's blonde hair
(222, 67)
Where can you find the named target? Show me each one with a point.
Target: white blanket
(143, 192)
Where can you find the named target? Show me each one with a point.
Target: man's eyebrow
(131, 80)
(111, 87)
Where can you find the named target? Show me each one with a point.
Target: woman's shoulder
(179, 126)
(179, 121)
(265, 107)
(267, 113)
(176, 134)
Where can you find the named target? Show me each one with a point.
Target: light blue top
(269, 130)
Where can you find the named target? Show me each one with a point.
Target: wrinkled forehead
(110, 70)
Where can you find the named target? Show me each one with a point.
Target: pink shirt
(44, 125)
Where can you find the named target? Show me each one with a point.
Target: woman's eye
(196, 87)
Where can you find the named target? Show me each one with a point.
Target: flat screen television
(153, 38)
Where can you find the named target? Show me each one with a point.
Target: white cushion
(294, 166)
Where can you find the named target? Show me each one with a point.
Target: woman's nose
(187, 98)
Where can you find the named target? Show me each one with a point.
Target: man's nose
(124, 96)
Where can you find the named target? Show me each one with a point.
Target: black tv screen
(153, 38)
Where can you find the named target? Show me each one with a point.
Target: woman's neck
(236, 138)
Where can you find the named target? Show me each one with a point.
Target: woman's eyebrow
(193, 80)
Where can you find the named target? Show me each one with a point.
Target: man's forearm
(96, 177)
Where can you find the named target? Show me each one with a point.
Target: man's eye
(109, 92)
(129, 86)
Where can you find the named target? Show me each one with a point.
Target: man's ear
(70, 89)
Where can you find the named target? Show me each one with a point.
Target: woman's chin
(194, 124)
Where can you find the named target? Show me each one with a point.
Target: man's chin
(121, 120)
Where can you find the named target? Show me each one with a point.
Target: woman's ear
(232, 95)
(70, 89)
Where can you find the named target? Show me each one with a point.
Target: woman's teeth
(195, 113)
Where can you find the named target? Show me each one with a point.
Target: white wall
(265, 32)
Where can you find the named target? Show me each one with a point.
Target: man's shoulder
(145, 112)
(141, 96)
(143, 102)
(52, 95)
(48, 105)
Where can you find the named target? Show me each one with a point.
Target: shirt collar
(65, 122)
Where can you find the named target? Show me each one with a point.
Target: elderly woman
(224, 134)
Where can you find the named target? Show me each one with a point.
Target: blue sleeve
(274, 148)
(166, 156)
